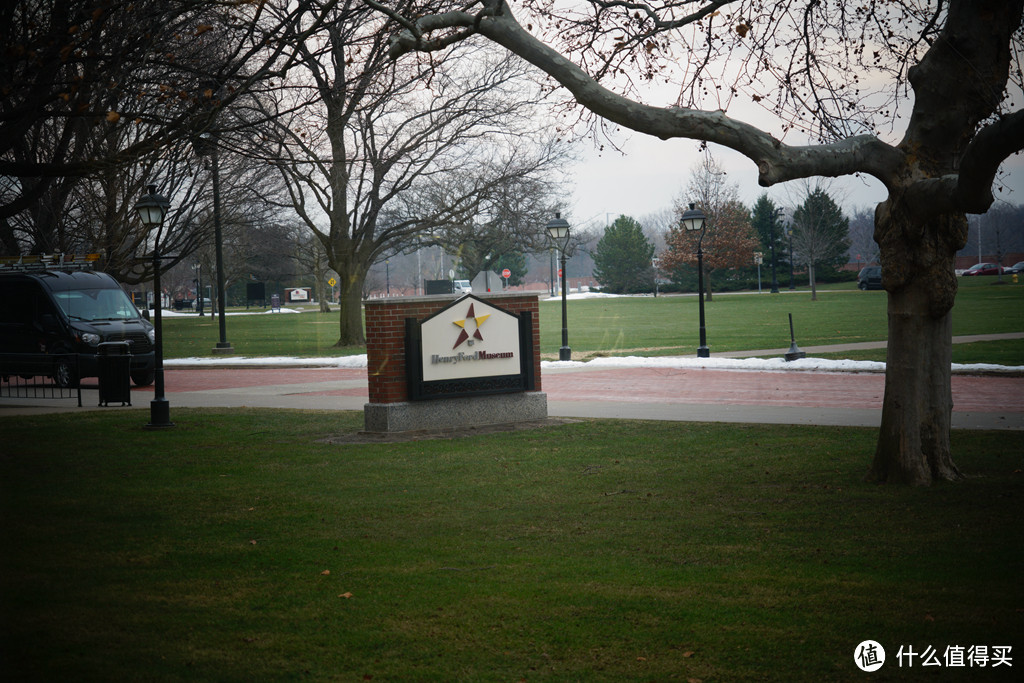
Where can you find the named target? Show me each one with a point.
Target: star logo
(464, 334)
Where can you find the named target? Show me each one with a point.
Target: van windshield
(92, 305)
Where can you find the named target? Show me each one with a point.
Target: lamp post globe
(558, 231)
(693, 219)
(152, 208)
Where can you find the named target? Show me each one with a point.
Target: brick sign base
(389, 408)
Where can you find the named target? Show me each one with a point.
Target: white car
(462, 286)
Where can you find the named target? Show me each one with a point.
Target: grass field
(666, 325)
(244, 546)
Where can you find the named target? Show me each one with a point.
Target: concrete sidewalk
(862, 346)
(689, 395)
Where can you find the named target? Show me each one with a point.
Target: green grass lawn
(242, 546)
(307, 334)
(736, 322)
(666, 325)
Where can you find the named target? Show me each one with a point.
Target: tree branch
(969, 190)
(776, 162)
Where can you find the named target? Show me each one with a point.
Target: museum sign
(469, 347)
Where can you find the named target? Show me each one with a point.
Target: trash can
(114, 361)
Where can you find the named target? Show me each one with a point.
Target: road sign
(332, 282)
(506, 273)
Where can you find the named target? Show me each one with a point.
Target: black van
(870, 277)
(52, 321)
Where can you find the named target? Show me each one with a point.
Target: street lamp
(199, 288)
(203, 145)
(152, 208)
(789, 231)
(558, 230)
(775, 217)
(691, 220)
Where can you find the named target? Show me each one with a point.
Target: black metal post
(199, 289)
(794, 352)
(702, 351)
(159, 407)
(223, 346)
(791, 285)
(551, 276)
(387, 276)
(564, 353)
(775, 282)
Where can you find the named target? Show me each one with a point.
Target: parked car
(461, 286)
(870, 277)
(984, 269)
(56, 320)
(1016, 268)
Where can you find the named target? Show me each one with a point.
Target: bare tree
(842, 73)
(729, 240)
(98, 100)
(376, 154)
(819, 233)
(513, 221)
(862, 229)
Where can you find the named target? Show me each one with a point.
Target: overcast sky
(653, 173)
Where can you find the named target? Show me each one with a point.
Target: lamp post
(203, 145)
(789, 231)
(152, 208)
(694, 219)
(775, 282)
(558, 230)
(199, 288)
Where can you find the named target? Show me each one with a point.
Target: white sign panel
(470, 339)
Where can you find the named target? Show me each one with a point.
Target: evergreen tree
(767, 220)
(820, 234)
(516, 262)
(622, 260)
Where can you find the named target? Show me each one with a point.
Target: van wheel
(143, 378)
(863, 286)
(65, 374)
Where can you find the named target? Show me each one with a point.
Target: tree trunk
(917, 271)
(350, 303)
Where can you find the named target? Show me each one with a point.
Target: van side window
(16, 304)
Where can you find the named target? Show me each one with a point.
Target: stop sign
(506, 273)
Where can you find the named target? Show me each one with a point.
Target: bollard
(794, 351)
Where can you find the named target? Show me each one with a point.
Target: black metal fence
(39, 376)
